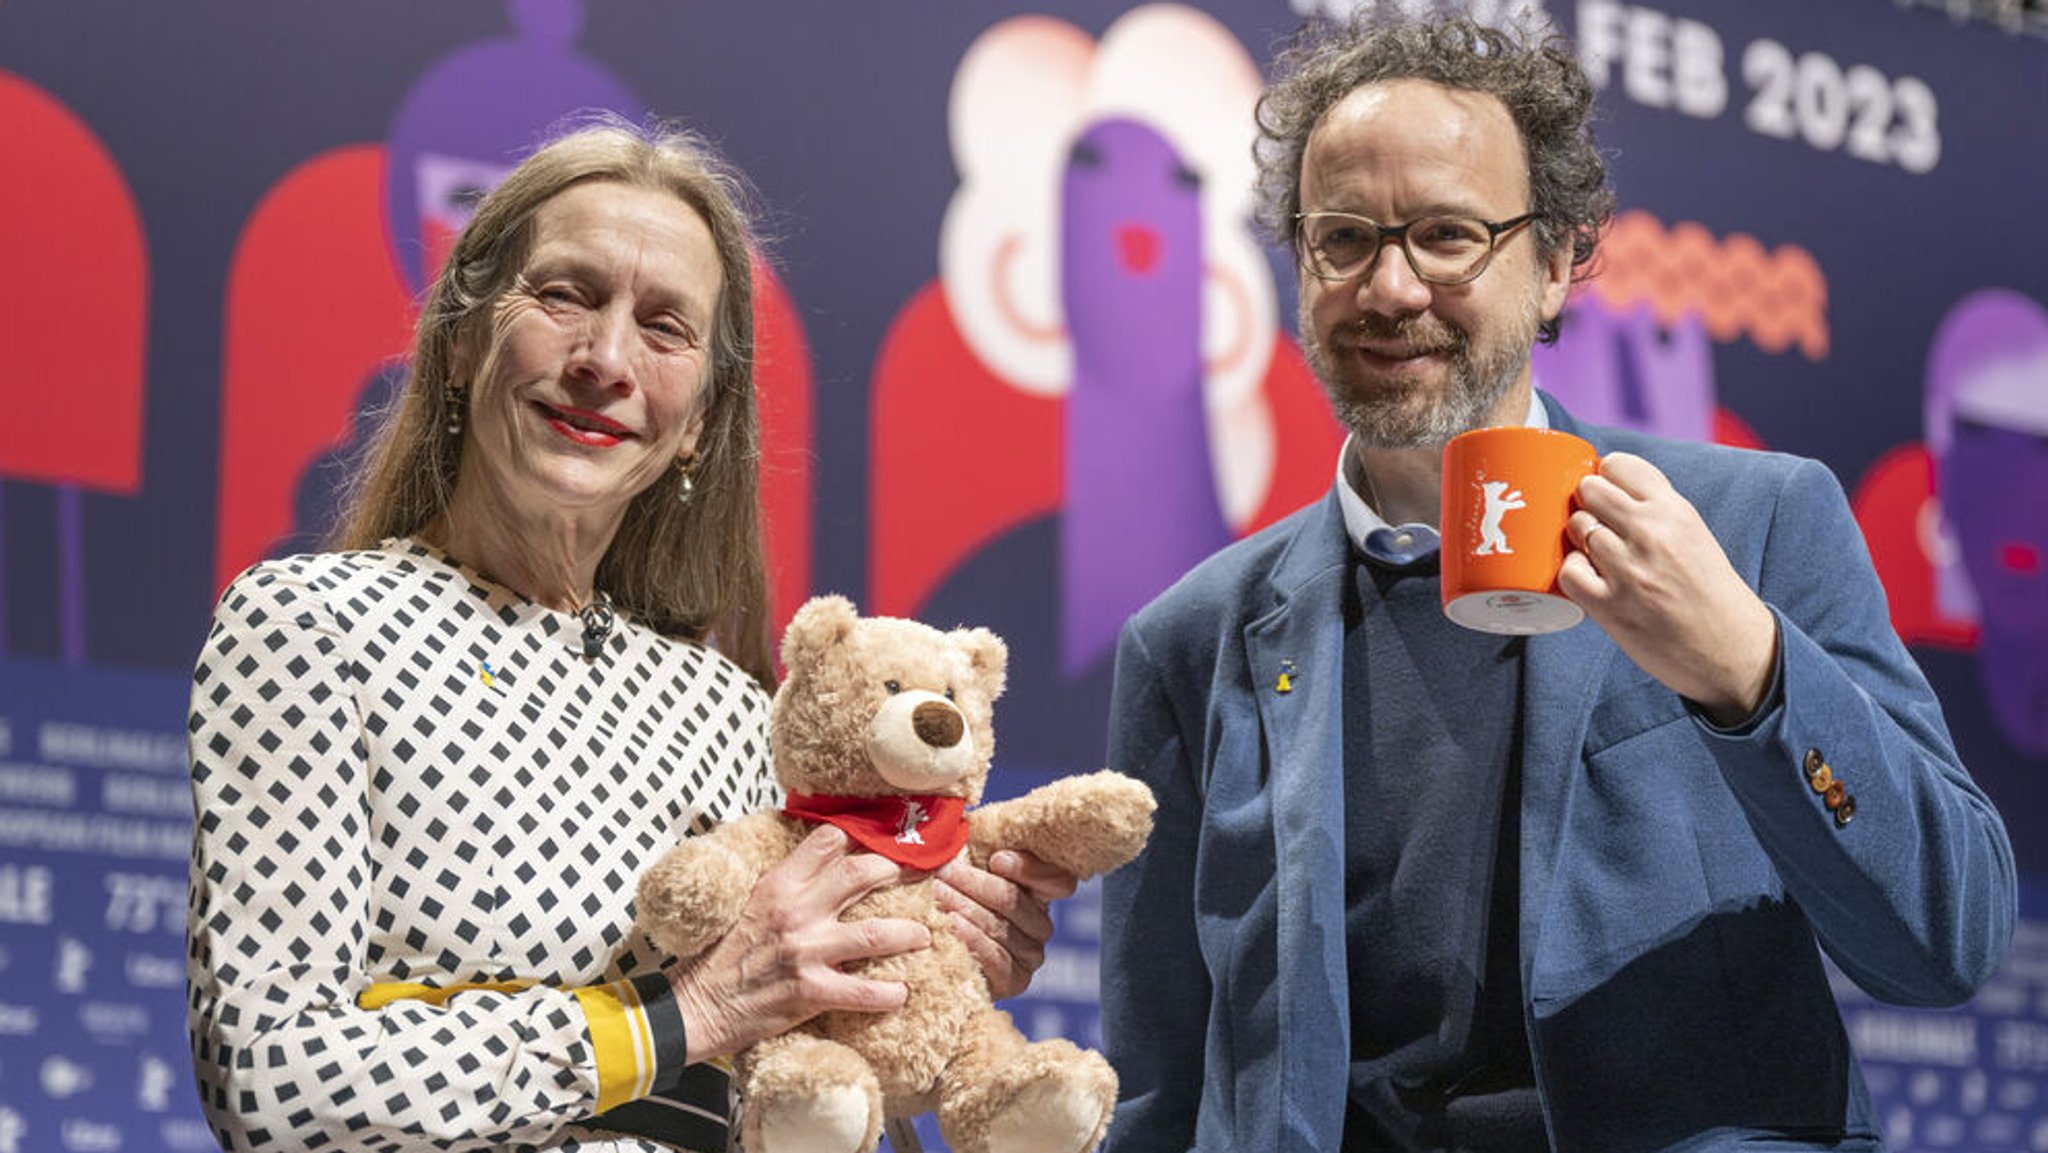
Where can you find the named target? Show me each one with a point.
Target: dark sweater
(1439, 1051)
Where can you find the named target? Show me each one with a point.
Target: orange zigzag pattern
(1777, 298)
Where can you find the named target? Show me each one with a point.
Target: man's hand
(1650, 573)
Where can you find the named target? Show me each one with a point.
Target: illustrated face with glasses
(1442, 250)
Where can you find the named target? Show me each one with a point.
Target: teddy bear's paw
(833, 1119)
(1122, 808)
(1087, 824)
(1065, 1109)
(693, 894)
(803, 1094)
(1046, 1118)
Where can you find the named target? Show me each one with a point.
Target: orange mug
(1507, 493)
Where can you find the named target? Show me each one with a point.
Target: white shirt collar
(1360, 518)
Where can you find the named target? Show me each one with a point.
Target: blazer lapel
(1302, 639)
(1561, 681)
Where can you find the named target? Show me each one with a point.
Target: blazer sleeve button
(1845, 812)
(1814, 761)
(1823, 780)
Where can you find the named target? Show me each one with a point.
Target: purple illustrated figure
(1987, 429)
(1141, 495)
(1103, 302)
(1631, 370)
(472, 116)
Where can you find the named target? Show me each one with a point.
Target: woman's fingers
(1046, 880)
(1004, 920)
(826, 872)
(845, 941)
(785, 961)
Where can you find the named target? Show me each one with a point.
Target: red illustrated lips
(2019, 557)
(584, 427)
(1138, 247)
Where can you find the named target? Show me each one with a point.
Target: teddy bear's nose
(937, 724)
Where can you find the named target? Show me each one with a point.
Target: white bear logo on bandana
(914, 814)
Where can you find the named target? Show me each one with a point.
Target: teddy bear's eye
(949, 692)
(894, 687)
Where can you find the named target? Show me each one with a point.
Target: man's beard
(1409, 414)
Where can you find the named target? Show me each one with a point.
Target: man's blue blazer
(1678, 883)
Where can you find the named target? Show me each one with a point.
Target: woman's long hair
(694, 569)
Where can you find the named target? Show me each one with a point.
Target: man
(1414, 887)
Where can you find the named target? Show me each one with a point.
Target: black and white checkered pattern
(405, 773)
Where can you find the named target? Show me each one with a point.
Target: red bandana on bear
(922, 832)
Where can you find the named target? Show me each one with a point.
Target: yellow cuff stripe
(619, 1030)
(623, 1041)
(380, 995)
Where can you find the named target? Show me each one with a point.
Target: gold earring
(452, 405)
(686, 483)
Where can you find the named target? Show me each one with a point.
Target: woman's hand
(779, 966)
(1000, 913)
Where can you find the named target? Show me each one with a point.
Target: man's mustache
(1416, 335)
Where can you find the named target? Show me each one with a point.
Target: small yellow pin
(487, 674)
(1286, 684)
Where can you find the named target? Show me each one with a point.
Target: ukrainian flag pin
(1286, 684)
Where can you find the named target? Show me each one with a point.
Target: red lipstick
(584, 427)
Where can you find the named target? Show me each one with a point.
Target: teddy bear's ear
(987, 655)
(821, 623)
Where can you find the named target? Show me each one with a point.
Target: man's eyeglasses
(1441, 249)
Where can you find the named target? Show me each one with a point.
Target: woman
(429, 769)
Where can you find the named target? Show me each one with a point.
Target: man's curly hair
(1530, 68)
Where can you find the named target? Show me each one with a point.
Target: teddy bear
(885, 726)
